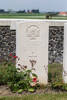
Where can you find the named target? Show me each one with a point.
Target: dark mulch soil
(5, 91)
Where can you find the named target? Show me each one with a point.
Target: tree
(49, 15)
(2, 11)
(21, 11)
(35, 10)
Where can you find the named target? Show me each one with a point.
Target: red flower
(34, 79)
(15, 57)
(10, 54)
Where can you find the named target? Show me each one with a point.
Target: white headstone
(65, 54)
(32, 47)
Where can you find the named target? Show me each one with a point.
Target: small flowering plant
(34, 79)
(29, 80)
(34, 82)
(11, 55)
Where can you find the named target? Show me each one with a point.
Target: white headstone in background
(32, 47)
(65, 55)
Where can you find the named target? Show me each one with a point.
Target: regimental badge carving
(33, 62)
(33, 32)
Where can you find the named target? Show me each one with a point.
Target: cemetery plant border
(18, 79)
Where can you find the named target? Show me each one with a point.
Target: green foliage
(20, 91)
(55, 77)
(54, 72)
(49, 77)
(17, 81)
(64, 87)
(57, 85)
(31, 89)
(34, 74)
(56, 82)
(21, 81)
(3, 74)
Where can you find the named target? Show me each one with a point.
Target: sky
(42, 5)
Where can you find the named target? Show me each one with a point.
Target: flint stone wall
(56, 38)
(8, 43)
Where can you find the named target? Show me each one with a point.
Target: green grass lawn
(38, 97)
(30, 16)
(23, 16)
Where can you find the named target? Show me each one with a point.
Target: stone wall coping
(33, 20)
(12, 22)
